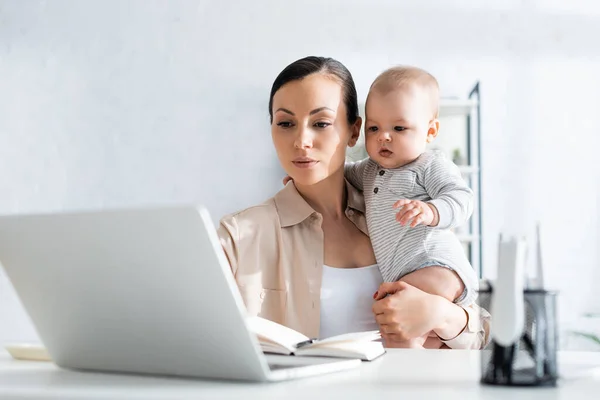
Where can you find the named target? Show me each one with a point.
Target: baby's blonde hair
(402, 76)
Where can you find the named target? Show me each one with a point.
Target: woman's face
(310, 128)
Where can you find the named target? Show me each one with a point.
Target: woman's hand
(405, 312)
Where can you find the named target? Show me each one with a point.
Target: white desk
(400, 374)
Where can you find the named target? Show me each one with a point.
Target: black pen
(305, 343)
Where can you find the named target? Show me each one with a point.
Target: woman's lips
(304, 162)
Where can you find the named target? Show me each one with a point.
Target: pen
(305, 343)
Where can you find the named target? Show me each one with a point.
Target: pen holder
(531, 360)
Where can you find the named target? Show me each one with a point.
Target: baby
(413, 196)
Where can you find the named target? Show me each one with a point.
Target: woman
(303, 258)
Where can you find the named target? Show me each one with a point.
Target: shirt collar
(293, 209)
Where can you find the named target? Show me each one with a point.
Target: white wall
(115, 103)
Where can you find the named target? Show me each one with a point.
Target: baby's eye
(284, 124)
(399, 128)
(372, 129)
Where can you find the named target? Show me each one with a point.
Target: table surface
(446, 374)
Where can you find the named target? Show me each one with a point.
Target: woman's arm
(404, 312)
(453, 322)
(475, 333)
(228, 236)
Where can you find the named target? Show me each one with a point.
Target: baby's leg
(436, 280)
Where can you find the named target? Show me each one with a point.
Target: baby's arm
(450, 195)
(354, 172)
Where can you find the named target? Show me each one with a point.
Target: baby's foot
(416, 343)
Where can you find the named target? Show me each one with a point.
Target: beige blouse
(275, 250)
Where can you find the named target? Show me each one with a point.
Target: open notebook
(278, 339)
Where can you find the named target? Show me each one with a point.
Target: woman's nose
(304, 139)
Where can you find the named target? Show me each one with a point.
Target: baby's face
(398, 125)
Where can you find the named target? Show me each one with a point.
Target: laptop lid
(144, 291)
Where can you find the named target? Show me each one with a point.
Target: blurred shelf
(468, 238)
(457, 107)
(468, 169)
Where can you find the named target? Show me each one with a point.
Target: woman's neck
(327, 197)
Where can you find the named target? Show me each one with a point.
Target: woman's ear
(434, 127)
(355, 132)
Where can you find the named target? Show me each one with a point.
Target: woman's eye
(322, 124)
(372, 129)
(399, 128)
(284, 124)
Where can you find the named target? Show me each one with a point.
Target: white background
(119, 103)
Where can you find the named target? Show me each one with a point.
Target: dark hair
(300, 69)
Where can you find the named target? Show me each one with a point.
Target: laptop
(146, 291)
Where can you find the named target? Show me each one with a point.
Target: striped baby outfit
(400, 250)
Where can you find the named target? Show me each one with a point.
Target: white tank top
(347, 299)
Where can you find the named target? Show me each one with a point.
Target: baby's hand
(417, 211)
